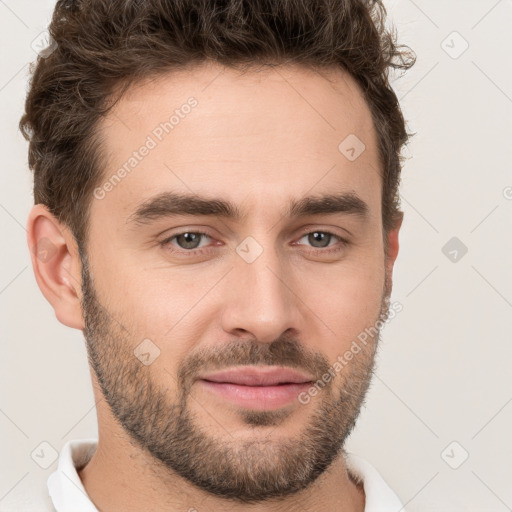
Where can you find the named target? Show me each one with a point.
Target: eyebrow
(169, 204)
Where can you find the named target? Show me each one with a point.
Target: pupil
(189, 244)
(318, 236)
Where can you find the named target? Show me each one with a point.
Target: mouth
(260, 388)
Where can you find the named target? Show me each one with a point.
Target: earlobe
(56, 264)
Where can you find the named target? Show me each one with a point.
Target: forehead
(264, 133)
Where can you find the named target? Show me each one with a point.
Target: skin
(258, 140)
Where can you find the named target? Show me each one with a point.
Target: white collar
(64, 485)
(379, 496)
(68, 493)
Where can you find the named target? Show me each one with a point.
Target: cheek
(159, 304)
(347, 301)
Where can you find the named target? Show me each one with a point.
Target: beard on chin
(163, 425)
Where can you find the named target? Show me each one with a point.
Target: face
(246, 272)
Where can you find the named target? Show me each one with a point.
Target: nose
(260, 298)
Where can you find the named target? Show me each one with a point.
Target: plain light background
(442, 390)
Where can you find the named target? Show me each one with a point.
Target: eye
(321, 239)
(188, 240)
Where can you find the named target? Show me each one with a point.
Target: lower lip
(257, 397)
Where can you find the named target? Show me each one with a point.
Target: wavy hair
(101, 47)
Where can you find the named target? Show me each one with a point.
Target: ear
(392, 249)
(56, 264)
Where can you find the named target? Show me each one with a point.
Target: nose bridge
(260, 297)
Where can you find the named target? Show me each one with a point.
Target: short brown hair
(104, 46)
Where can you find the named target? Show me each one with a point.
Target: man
(216, 208)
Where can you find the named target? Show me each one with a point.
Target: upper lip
(258, 376)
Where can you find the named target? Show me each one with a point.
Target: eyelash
(194, 252)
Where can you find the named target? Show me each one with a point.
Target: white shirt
(68, 494)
